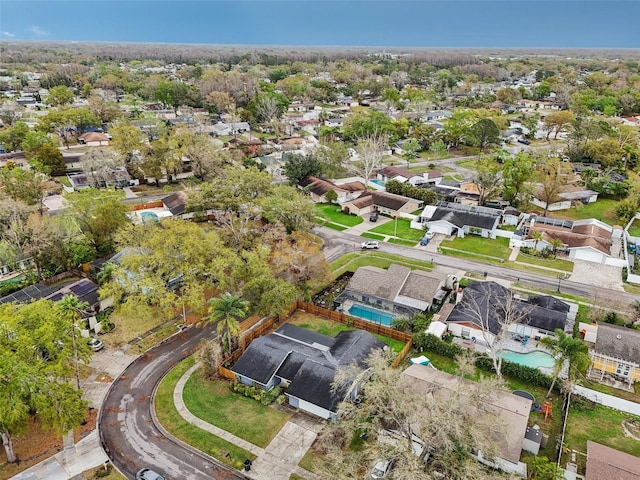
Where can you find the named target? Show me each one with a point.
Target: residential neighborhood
(330, 265)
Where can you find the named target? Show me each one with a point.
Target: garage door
(588, 255)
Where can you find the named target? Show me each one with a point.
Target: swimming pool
(532, 359)
(371, 314)
(149, 216)
(377, 182)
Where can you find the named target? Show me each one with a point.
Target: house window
(466, 333)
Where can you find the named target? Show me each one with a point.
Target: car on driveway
(148, 474)
(369, 245)
(95, 344)
(524, 141)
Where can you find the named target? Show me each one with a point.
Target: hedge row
(530, 375)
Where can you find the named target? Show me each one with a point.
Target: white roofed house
(458, 219)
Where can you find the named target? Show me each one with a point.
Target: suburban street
(130, 434)
(338, 243)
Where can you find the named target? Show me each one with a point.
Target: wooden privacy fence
(254, 327)
(354, 321)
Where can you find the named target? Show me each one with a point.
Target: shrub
(529, 375)
(611, 317)
(402, 324)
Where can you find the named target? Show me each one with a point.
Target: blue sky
(418, 23)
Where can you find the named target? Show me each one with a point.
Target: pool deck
(508, 344)
(346, 306)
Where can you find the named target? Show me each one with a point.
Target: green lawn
(497, 248)
(331, 328)
(558, 264)
(214, 402)
(333, 213)
(352, 261)
(373, 236)
(328, 224)
(472, 163)
(400, 241)
(402, 230)
(604, 210)
(170, 419)
(590, 421)
(634, 229)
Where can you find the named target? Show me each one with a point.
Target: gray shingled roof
(308, 359)
(461, 218)
(488, 298)
(618, 342)
(377, 282)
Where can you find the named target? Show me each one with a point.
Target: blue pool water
(377, 182)
(148, 216)
(371, 314)
(531, 359)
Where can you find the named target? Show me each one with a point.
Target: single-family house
(605, 463)
(480, 313)
(458, 219)
(94, 139)
(399, 174)
(382, 202)
(511, 412)
(571, 196)
(318, 187)
(588, 239)
(631, 121)
(305, 363)
(333, 122)
(614, 351)
(398, 290)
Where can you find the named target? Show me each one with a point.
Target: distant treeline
(89, 52)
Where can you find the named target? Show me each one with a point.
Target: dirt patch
(37, 444)
(631, 428)
(104, 377)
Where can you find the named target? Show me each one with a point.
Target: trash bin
(247, 465)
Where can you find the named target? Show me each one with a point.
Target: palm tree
(537, 236)
(226, 309)
(566, 348)
(556, 243)
(72, 309)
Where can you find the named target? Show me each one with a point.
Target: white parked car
(369, 244)
(95, 344)
(381, 469)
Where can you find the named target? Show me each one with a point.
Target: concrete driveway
(598, 275)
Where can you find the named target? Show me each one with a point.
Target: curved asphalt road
(127, 428)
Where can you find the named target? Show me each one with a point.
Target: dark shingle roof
(618, 342)
(308, 359)
(175, 203)
(487, 299)
(458, 215)
(390, 200)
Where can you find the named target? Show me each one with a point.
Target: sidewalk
(280, 458)
(87, 453)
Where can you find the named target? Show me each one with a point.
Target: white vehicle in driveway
(369, 245)
(381, 469)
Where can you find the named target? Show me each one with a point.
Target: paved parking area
(596, 274)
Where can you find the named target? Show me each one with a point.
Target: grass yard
(352, 261)
(170, 419)
(634, 229)
(557, 264)
(497, 248)
(604, 210)
(156, 337)
(400, 241)
(317, 324)
(333, 214)
(590, 421)
(373, 236)
(112, 475)
(215, 403)
(331, 328)
(328, 224)
(130, 327)
(472, 164)
(402, 230)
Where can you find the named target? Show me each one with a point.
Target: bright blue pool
(371, 314)
(148, 216)
(377, 182)
(531, 359)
